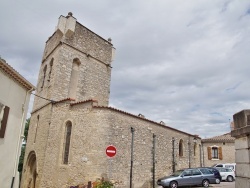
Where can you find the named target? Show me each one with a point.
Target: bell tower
(76, 65)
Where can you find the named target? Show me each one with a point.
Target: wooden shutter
(4, 121)
(209, 153)
(220, 153)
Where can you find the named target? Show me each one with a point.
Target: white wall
(17, 98)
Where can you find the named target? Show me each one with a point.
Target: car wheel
(173, 184)
(217, 180)
(230, 178)
(205, 183)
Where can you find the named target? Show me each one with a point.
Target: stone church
(71, 123)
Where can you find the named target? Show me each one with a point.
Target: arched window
(44, 75)
(195, 148)
(181, 148)
(50, 70)
(67, 142)
(37, 124)
(30, 171)
(74, 78)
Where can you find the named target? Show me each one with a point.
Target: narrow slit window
(195, 148)
(50, 70)
(44, 75)
(67, 142)
(37, 124)
(181, 148)
(74, 78)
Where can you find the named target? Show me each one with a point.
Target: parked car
(226, 165)
(227, 174)
(186, 177)
(214, 171)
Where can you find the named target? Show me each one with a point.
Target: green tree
(21, 158)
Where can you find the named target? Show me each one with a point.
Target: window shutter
(4, 121)
(209, 153)
(220, 153)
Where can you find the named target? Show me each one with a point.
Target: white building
(15, 93)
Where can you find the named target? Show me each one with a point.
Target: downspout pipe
(189, 153)
(173, 155)
(154, 160)
(20, 137)
(132, 155)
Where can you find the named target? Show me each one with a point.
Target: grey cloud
(182, 62)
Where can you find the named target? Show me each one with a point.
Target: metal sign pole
(110, 152)
(110, 169)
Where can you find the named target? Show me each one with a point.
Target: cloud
(183, 62)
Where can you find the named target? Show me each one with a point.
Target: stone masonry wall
(37, 140)
(242, 145)
(95, 55)
(228, 154)
(94, 77)
(86, 159)
(51, 44)
(96, 128)
(47, 91)
(90, 43)
(120, 135)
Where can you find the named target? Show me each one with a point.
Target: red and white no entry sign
(111, 151)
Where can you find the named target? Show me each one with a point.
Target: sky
(182, 62)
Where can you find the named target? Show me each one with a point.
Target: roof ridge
(143, 118)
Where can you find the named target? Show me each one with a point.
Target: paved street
(221, 185)
(224, 185)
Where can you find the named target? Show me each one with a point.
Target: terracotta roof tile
(221, 138)
(7, 69)
(143, 118)
(62, 100)
(80, 102)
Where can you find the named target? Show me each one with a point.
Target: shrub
(104, 184)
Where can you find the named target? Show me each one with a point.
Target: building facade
(241, 134)
(15, 93)
(218, 149)
(71, 123)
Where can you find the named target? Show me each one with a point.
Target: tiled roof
(80, 102)
(62, 100)
(143, 118)
(137, 116)
(221, 138)
(7, 69)
(121, 111)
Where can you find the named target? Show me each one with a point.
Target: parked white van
(226, 165)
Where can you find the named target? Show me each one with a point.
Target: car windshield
(177, 173)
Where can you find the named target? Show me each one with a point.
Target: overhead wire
(44, 98)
